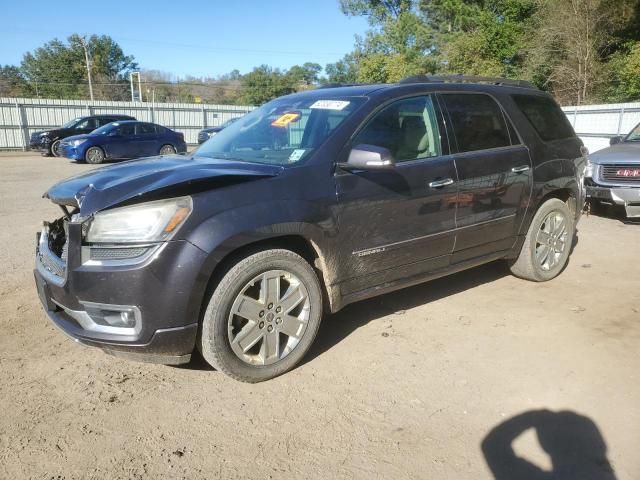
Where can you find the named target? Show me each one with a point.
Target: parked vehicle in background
(206, 133)
(613, 174)
(48, 141)
(314, 200)
(123, 140)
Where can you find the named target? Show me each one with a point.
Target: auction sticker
(296, 155)
(330, 104)
(285, 119)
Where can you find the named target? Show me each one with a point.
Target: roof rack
(337, 85)
(467, 79)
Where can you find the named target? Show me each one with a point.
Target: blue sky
(199, 38)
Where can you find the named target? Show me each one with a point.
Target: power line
(185, 45)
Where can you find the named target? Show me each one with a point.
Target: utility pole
(83, 42)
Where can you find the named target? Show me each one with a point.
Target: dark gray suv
(309, 203)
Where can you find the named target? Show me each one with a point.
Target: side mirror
(369, 157)
(616, 140)
(113, 134)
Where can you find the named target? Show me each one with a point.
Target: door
(122, 144)
(494, 175)
(392, 225)
(147, 140)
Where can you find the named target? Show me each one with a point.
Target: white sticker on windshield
(296, 155)
(330, 104)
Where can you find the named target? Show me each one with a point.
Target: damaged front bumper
(143, 310)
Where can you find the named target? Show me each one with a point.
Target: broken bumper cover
(628, 197)
(162, 298)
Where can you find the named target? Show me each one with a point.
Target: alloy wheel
(268, 317)
(551, 240)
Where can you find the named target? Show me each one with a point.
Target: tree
(264, 83)
(59, 68)
(398, 44)
(12, 83)
(307, 74)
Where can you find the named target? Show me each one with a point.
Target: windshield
(282, 132)
(634, 136)
(71, 123)
(105, 129)
(229, 122)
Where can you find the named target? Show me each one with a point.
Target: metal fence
(596, 124)
(20, 117)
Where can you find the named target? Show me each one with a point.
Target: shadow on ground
(612, 211)
(573, 443)
(335, 328)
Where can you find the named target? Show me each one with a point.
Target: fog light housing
(115, 318)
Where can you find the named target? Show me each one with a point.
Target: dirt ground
(408, 385)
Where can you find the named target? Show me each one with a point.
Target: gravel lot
(407, 385)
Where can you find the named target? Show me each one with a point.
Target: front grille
(621, 173)
(203, 137)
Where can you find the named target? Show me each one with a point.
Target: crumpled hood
(626, 152)
(115, 184)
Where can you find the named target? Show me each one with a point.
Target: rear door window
(477, 121)
(546, 116)
(145, 129)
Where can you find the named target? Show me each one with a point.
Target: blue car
(123, 140)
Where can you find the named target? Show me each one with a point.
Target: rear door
(148, 140)
(494, 175)
(392, 224)
(123, 144)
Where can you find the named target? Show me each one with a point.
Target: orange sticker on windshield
(285, 119)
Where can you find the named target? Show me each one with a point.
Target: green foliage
(265, 83)
(624, 68)
(12, 83)
(58, 69)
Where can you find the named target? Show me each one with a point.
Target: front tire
(548, 243)
(262, 317)
(54, 149)
(94, 155)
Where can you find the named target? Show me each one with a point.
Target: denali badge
(364, 253)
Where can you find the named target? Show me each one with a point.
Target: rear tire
(94, 155)
(276, 300)
(548, 243)
(167, 150)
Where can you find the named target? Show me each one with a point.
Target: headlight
(146, 222)
(588, 170)
(211, 134)
(75, 143)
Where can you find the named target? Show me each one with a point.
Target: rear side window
(477, 121)
(145, 129)
(546, 116)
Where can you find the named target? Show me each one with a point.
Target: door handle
(441, 183)
(520, 169)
